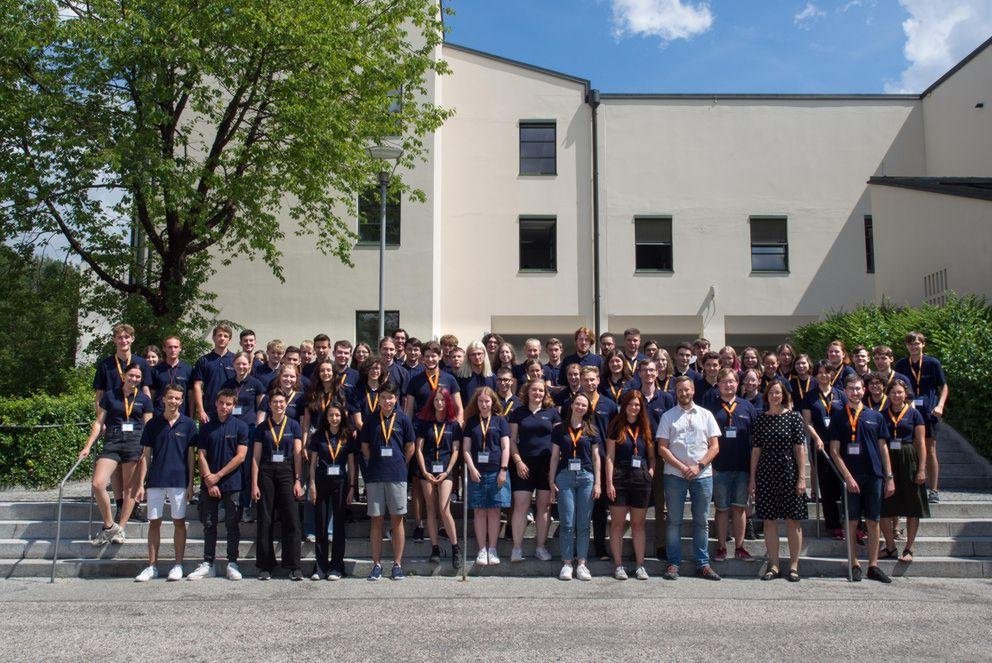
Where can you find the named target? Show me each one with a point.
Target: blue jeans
(575, 512)
(700, 491)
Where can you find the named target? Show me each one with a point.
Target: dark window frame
(651, 243)
(537, 222)
(368, 218)
(373, 320)
(869, 244)
(767, 247)
(535, 166)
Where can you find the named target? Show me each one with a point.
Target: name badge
(854, 450)
(483, 456)
(278, 457)
(127, 428)
(826, 422)
(238, 410)
(387, 452)
(895, 445)
(574, 464)
(917, 402)
(437, 468)
(730, 433)
(313, 429)
(333, 470)
(635, 462)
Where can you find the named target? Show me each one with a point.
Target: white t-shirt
(688, 433)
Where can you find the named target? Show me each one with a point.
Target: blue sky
(730, 46)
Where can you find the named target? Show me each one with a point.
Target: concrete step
(943, 567)
(974, 482)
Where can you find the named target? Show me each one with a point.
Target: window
(538, 244)
(935, 287)
(869, 244)
(367, 326)
(537, 148)
(369, 214)
(769, 245)
(653, 244)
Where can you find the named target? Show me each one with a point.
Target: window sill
(654, 272)
(769, 272)
(537, 272)
(375, 245)
(547, 175)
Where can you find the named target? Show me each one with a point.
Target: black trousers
(232, 522)
(600, 508)
(332, 493)
(830, 495)
(275, 482)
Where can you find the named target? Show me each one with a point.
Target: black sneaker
(435, 557)
(856, 573)
(749, 533)
(138, 515)
(418, 533)
(264, 575)
(707, 573)
(295, 575)
(456, 556)
(875, 573)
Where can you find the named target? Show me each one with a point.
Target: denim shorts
(486, 494)
(730, 489)
(869, 502)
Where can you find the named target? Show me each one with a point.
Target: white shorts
(157, 497)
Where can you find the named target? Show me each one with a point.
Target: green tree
(155, 135)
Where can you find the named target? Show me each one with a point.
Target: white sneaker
(204, 570)
(582, 573)
(175, 573)
(149, 573)
(641, 573)
(493, 557)
(334, 575)
(317, 575)
(233, 572)
(566, 571)
(482, 559)
(105, 535)
(311, 538)
(516, 555)
(119, 537)
(542, 554)
(530, 517)
(620, 573)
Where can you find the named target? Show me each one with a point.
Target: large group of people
(293, 434)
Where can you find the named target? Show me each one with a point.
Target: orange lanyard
(667, 380)
(803, 389)
(433, 382)
(852, 419)
(895, 420)
(632, 365)
(880, 406)
(120, 368)
(593, 402)
(730, 412)
(616, 392)
(827, 402)
(277, 439)
(387, 433)
(438, 436)
(334, 451)
(840, 370)
(507, 406)
(917, 374)
(576, 435)
(325, 400)
(128, 407)
(373, 404)
(633, 435)
(484, 425)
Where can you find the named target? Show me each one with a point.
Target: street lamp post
(384, 153)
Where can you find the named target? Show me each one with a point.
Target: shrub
(959, 334)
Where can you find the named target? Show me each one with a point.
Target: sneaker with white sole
(542, 554)
(582, 573)
(641, 573)
(317, 575)
(620, 573)
(148, 573)
(175, 573)
(204, 570)
(493, 557)
(119, 537)
(516, 555)
(105, 535)
(566, 571)
(482, 559)
(334, 575)
(233, 572)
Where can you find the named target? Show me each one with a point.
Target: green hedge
(959, 334)
(40, 457)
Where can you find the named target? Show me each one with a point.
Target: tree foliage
(195, 125)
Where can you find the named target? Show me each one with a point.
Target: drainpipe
(592, 98)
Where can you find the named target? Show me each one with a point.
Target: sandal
(888, 553)
(771, 573)
(907, 556)
(793, 575)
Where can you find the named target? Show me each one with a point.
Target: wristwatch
(503, 467)
(890, 476)
(701, 466)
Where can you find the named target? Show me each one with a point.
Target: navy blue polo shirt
(497, 430)
(661, 402)
(418, 369)
(468, 385)
(800, 389)
(564, 397)
(534, 430)
(420, 387)
(505, 408)
(633, 363)
(689, 372)
(264, 373)
(702, 392)
(840, 376)
(757, 402)
(905, 430)
(735, 447)
(220, 442)
(926, 381)
(551, 373)
(213, 370)
(400, 378)
(823, 407)
(871, 427)
(109, 372)
(613, 390)
(346, 382)
(307, 370)
(295, 405)
(248, 391)
(364, 401)
(395, 432)
(629, 446)
(520, 374)
(323, 443)
(164, 375)
(568, 449)
(438, 449)
(588, 359)
(170, 445)
(603, 410)
(765, 381)
(268, 381)
(112, 403)
(267, 433)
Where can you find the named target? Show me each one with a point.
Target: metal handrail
(464, 522)
(847, 528)
(58, 523)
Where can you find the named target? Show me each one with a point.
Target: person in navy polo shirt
(929, 386)
(583, 355)
(248, 342)
(607, 343)
(274, 351)
(683, 359)
(476, 372)
(439, 437)
(322, 352)
(706, 390)
(411, 356)
(333, 483)
(731, 467)
(395, 371)
(171, 370)
(632, 349)
(210, 373)
(840, 363)
(552, 369)
(387, 440)
(166, 474)
(120, 416)
(859, 448)
(486, 450)
(346, 377)
(770, 373)
(824, 403)
(222, 445)
(425, 383)
(656, 403)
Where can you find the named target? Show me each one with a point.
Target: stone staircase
(956, 542)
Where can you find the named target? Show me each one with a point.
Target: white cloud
(808, 15)
(938, 34)
(666, 19)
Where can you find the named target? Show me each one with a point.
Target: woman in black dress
(906, 449)
(778, 476)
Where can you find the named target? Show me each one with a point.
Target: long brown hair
(618, 423)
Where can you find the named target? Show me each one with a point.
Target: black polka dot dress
(776, 476)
